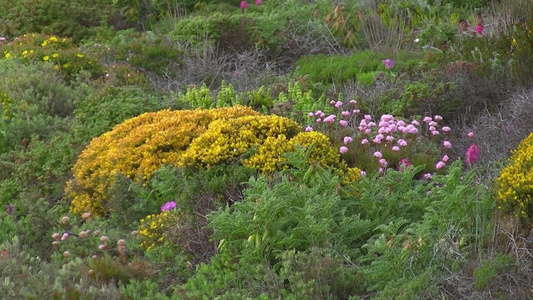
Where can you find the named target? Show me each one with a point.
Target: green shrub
(490, 268)
(74, 19)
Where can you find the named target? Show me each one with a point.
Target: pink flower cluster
(387, 134)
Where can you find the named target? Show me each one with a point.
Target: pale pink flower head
(368, 117)
(472, 154)
(427, 176)
(415, 122)
(310, 115)
(168, 206)
(364, 141)
(440, 165)
(343, 149)
(435, 132)
(363, 173)
(378, 154)
(356, 111)
(383, 162)
(402, 142)
(445, 158)
(258, 2)
(353, 101)
(318, 120)
(395, 148)
(308, 128)
(329, 119)
(427, 119)
(433, 123)
(471, 135)
(389, 63)
(437, 118)
(347, 139)
(389, 138)
(343, 123)
(64, 236)
(318, 113)
(447, 144)
(345, 113)
(332, 102)
(446, 129)
(377, 140)
(338, 104)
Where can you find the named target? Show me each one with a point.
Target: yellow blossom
(46, 57)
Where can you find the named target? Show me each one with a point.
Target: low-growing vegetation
(266, 150)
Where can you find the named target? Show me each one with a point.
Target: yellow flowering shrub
(514, 187)
(62, 52)
(136, 148)
(152, 229)
(227, 141)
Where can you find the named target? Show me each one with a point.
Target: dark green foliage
(490, 268)
(339, 69)
(74, 19)
(101, 111)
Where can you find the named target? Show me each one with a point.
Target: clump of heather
(377, 144)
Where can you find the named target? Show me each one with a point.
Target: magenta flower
(64, 236)
(168, 206)
(445, 158)
(404, 163)
(9, 208)
(244, 5)
(258, 2)
(479, 29)
(472, 154)
(389, 63)
(308, 128)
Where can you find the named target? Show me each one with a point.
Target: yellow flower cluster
(136, 148)
(515, 184)
(229, 140)
(43, 48)
(152, 229)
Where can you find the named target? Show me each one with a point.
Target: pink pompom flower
(343, 149)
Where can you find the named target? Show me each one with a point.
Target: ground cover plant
(266, 150)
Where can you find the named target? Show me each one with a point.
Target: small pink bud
(447, 144)
(440, 165)
(308, 128)
(471, 134)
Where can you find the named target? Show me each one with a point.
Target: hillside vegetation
(163, 149)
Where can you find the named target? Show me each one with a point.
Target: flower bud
(66, 254)
(65, 220)
(121, 242)
(55, 243)
(97, 232)
(135, 232)
(82, 234)
(86, 216)
(104, 239)
(55, 236)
